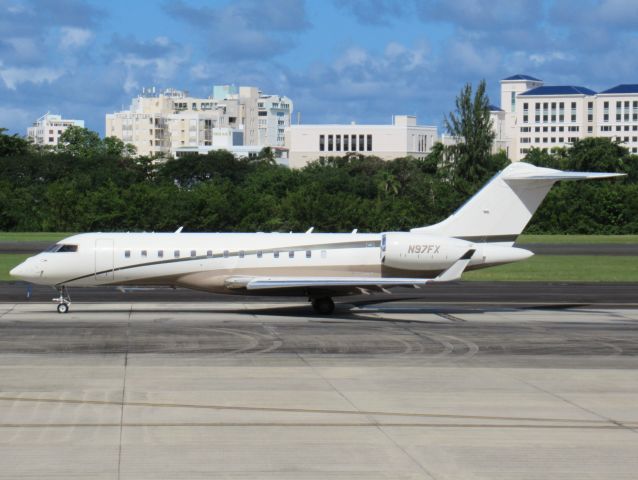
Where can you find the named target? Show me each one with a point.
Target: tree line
(91, 184)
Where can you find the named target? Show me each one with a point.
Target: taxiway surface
(269, 390)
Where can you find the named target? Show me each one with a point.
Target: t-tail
(499, 212)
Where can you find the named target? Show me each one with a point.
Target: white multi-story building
(547, 117)
(47, 129)
(172, 121)
(402, 138)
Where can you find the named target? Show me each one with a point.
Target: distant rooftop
(558, 90)
(522, 77)
(494, 108)
(625, 88)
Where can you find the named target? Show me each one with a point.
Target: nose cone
(24, 271)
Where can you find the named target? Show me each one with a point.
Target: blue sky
(339, 60)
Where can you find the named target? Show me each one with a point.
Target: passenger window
(308, 253)
(291, 254)
(275, 254)
(127, 254)
(209, 253)
(324, 254)
(225, 253)
(144, 253)
(176, 253)
(241, 254)
(160, 253)
(259, 253)
(193, 253)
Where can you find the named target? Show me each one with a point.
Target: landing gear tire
(323, 306)
(63, 300)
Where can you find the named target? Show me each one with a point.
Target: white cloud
(12, 76)
(73, 37)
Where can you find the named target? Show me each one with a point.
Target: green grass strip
(8, 261)
(580, 239)
(563, 268)
(33, 236)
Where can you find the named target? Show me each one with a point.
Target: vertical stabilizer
(504, 206)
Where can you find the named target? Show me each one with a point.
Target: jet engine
(413, 251)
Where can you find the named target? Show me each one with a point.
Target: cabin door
(104, 260)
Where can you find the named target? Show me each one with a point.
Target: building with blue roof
(558, 90)
(622, 89)
(535, 115)
(522, 77)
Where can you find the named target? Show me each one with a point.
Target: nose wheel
(63, 300)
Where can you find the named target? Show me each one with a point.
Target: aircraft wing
(267, 283)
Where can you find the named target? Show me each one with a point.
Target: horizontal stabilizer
(457, 269)
(555, 175)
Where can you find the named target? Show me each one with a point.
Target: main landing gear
(323, 305)
(63, 300)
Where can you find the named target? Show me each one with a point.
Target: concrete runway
(407, 390)
(457, 294)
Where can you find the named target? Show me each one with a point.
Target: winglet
(457, 268)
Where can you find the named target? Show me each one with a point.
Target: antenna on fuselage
(310, 230)
(179, 230)
(354, 231)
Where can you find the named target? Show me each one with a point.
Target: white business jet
(319, 266)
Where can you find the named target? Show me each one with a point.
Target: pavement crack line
(9, 311)
(70, 401)
(618, 423)
(372, 421)
(123, 403)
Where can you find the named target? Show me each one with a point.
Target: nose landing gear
(63, 300)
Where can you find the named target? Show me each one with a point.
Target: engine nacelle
(413, 251)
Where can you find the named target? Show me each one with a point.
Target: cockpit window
(58, 247)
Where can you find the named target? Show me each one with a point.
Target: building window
(369, 143)
(338, 143)
(525, 118)
(353, 142)
(275, 254)
(330, 143)
(127, 254)
(160, 254)
(308, 253)
(260, 253)
(193, 253)
(322, 143)
(291, 254)
(176, 253)
(345, 143)
(513, 101)
(590, 129)
(209, 253)
(143, 253)
(361, 143)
